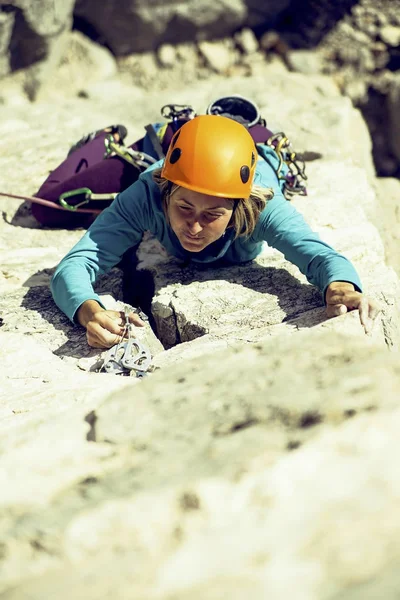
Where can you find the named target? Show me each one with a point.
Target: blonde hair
(247, 210)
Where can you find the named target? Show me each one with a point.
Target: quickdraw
(176, 112)
(88, 196)
(295, 178)
(128, 355)
(140, 160)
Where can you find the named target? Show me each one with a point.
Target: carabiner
(136, 356)
(78, 192)
(174, 112)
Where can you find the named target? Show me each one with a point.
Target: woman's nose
(194, 226)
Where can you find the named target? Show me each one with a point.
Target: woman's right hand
(104, 328)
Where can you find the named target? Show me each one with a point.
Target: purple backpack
(98, 167)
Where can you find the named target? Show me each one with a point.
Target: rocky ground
(157, 47)
(257, 460)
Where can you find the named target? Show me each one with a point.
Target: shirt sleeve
(118, 228)
(284, 228)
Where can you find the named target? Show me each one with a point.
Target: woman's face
(198, 219)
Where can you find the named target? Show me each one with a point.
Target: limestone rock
(218, 55)
(198, 525)
(256, 461)
(394, 118)
(44, 17)
(166, 55)
(304, 61)
(84, 63)
(247, 41)
(387, 218)
(141, 26)
(141, 69)
(356, 90)
(37, 38)
(390, 35)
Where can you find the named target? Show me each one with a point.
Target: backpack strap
(155, 141)
(139, 159)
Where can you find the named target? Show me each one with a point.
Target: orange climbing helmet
(213, 155)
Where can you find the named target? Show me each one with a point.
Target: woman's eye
(184, 207)
(212, 217)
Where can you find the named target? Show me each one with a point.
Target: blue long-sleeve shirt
(139, 209)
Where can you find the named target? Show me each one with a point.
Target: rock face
(142, 26)
(31, 32)
(219, 489)
(32, 36)
(357, 42)
(256, 461)
(394, 119)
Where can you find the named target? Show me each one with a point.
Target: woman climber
(211, 198)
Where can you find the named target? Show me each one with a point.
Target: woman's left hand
(341, 297)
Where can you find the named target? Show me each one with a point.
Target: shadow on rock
(190, 301)
(305, 23)
(43, 319)
(54, 218)
(280, 297)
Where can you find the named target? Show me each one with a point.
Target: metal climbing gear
(88, 196)
(128, 355)
(238, 108)
(48, 203)
(177, 112)
(295, 178)
(140, 160)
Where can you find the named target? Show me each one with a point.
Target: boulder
(166, 55)
(305, 61)
(43, 17)
(219, 56)
(142, 26)
(218, 484)
(390, 35)
(247, 41)
(33, 33)
(83, 64)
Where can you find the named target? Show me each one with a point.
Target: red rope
(43, 202)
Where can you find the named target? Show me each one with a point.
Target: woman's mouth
(192, 238)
